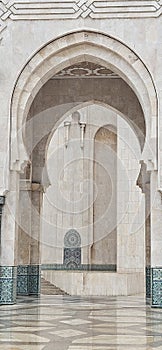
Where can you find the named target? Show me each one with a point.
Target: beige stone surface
(97, 283)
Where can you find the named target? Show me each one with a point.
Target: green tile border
(82, 267)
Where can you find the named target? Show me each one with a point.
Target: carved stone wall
(73, 9)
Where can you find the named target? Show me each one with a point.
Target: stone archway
(67, 50)
(63, 52)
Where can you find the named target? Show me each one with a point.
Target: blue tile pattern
(28, 280)
(72, 257)
(157, 287)
(72, 250)
(34, 279)
(23, 280)
(148, 281)
(8, 276)
(72, 239)
(22, 270)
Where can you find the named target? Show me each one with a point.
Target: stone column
(35, 268)
(144, 183)
(8, 257)
(148, 239)
(28, 280)
(24, 238)
(156, 241)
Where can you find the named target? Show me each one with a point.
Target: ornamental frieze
(73, 9)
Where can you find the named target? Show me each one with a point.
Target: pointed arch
(69, 49)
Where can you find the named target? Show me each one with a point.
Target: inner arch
(71, 87)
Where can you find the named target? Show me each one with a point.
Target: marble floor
(74, 323)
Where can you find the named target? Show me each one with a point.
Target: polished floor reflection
(73, 323)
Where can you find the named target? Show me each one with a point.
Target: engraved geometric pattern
(157, 287)
(72, 239)
(86, 70)
(72, 9)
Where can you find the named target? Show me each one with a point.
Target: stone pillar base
(8, 276)
(28, 280)
(157, 287)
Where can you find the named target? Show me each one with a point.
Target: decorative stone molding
(73, 9)
(86, 70)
